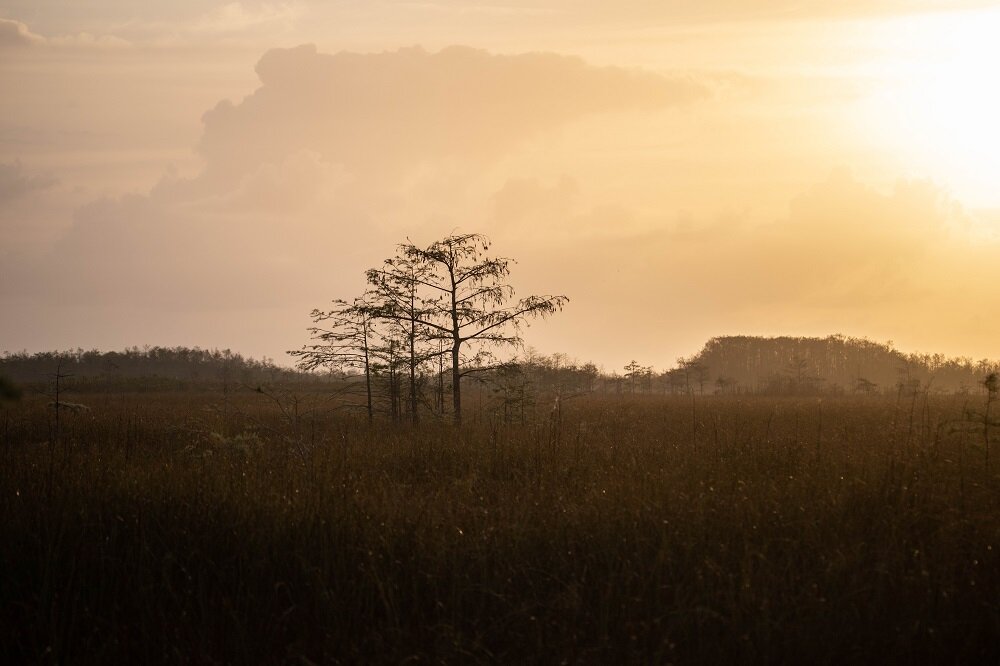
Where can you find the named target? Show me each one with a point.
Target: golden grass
(184, 527)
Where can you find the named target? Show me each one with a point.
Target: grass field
(192, 527)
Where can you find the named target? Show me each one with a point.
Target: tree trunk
(368, 377)
(368, 388)
(456, 383)
(413, 386)
(413, 358)
(456, 347)
(440, 400)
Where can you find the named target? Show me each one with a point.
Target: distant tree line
(380, 358)
(834, 365)
(174, 363)
(802, 366)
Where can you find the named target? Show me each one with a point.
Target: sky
(206, 173)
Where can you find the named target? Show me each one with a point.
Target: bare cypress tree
(346, 342)
(469, 302)
(396, 289)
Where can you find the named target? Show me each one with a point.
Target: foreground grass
(628, 530)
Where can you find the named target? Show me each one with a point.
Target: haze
(199, 173)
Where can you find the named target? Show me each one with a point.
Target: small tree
(396, 290)
(632, 372)
(693, 371)
(346, 338)
(513, 390)
(470, 303)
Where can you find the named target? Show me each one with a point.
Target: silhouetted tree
(396, 290)
(469, 303)
(632, 372)
(676, 380)
(346, 342)
(693, 372)
(513, 390)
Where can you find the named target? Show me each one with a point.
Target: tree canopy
(449, 300)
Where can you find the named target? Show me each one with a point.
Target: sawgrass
(200, 528)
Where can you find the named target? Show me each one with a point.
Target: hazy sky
(206, 173)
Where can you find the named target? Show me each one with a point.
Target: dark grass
(163, 528)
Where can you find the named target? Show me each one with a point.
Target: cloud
(87, 40)
(14, 34)
(578, 172)
(182, 247)
(177, 25)
(236, 17)
(16, 181)
(17, 35)
(321, 170)
(378, 112)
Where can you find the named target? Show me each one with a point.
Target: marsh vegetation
(237, 526)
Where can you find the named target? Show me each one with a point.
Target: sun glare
(937, 104)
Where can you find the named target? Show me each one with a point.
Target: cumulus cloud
(378, 112)
(335, 158)
(319, 172)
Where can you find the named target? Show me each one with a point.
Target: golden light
(936, 102)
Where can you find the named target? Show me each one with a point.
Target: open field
(202, 527)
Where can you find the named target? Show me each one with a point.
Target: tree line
(834, 365)
(392, 351)
(134, 363)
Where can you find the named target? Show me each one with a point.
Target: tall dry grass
(188, 527)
